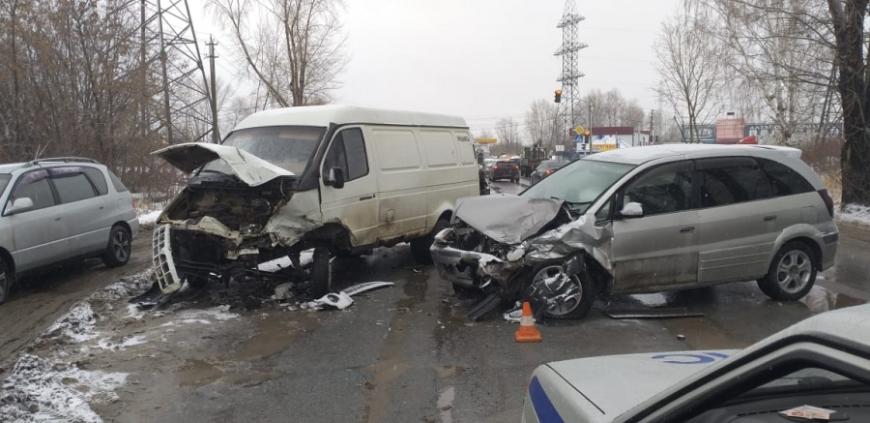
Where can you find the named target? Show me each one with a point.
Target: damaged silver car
(644, 219)
(337, 180)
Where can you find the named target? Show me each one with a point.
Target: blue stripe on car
(544, 409)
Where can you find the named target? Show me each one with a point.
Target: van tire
(320, 276)
(420, 246)
(5, 280)
(794, 264)
(118, 250)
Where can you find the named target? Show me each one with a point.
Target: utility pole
(167, 110)
(569, 53)
(143, 76)
(215, 132)
(652, 117)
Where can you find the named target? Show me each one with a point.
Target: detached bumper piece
(164, 265)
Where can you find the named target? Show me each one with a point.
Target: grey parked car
(59, 209)
(645, 219)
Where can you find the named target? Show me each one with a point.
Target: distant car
(505, 169)
(59, 209)
(546, 168)
(816, 368)
(487, 166)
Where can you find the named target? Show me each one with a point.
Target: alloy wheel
(794, 270)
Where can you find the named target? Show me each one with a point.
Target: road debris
(283, 292)
(342, 300)
(654, 313)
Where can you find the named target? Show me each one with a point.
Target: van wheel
(420, 246)
(120, 244)
(566, 296)
(5, 281)
(321, 273)
(792, 273)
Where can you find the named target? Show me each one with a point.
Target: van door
(403, 182)
(738, 219)
(660, 248)
(355, 204)
(39, 235)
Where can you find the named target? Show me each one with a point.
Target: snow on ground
(149, 217)
(855, 213)
(77, 324)
(39, 390)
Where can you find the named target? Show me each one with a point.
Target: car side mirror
(632, 210)
(335, 178)
(20, 205)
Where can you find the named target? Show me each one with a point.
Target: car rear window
(116, 182)
(732, 180)
(783, 179)
(96, 177)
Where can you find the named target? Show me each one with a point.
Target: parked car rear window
(4, 180)
(96, 177)
(116, 182)
(34, 185)
(73, 187)
(732, 180)
(783, 179)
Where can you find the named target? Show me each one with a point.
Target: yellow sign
(485, 140)
(581, 130)
(604, 147)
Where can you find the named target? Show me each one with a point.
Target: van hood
(647, 374)
(249, 168)
(507, 219)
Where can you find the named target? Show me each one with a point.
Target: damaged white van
(340, 180)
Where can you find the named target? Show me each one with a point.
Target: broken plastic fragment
(343, 300)
(808, 412)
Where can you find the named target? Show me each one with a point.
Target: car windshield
(579, 184)
(289, 147)
(4, 180)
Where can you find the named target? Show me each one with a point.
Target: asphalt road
(403, 353)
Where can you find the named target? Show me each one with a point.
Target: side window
(603, 214)
(348, 152)
(732, 180)
(34, 185)
(97, 179)
(783, 179)
(664, 189)
(72, 187)
(116, 182)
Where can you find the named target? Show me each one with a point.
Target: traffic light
(557, 96)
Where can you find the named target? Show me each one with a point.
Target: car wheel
(120, 244)
(420, 246)
(792, 273)
(321, 273)
(566, 296)
(5, 281)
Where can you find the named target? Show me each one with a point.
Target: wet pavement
(398, 354)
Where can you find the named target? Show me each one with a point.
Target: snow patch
(125, 287)
(149, 218)
(109, 344)
(38, 390)
(855, 213)
(207, 316)
(77, 324)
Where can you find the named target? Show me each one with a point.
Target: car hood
(646, 374)
(506, 218)
(249, 168)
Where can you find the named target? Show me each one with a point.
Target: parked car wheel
(120, 245)
(5, 281)
(792, 273)
(420, 246)
(321, 273)
(570, 296)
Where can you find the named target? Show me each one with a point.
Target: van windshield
(4, 180)
(288, 147)
(579, 184)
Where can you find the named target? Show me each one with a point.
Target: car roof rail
(68, 159)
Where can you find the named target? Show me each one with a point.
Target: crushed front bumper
(470, 269)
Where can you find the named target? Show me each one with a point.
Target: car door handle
(687, 229)
(769, 218)
(57, 219)
(367, 197)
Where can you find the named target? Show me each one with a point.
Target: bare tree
(508, 132)
(291, 47)
(598, 108)
(689, 69)
(544, 125)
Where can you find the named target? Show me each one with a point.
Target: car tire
(582, 283)
(792, 273)
(320, 276)
(119, 247)
(5, 280)
(420, 246)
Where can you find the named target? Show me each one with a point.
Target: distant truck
(531, 158)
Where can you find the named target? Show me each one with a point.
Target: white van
(337, 179)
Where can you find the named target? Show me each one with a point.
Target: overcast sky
(484, 59)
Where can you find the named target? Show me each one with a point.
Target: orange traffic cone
(527, 332)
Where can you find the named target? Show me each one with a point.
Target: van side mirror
(632, 210)
(335, 178)
(20, 205)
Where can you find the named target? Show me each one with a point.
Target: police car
(816, 370)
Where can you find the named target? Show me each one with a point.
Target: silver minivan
(645, 219)
(57, 209)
